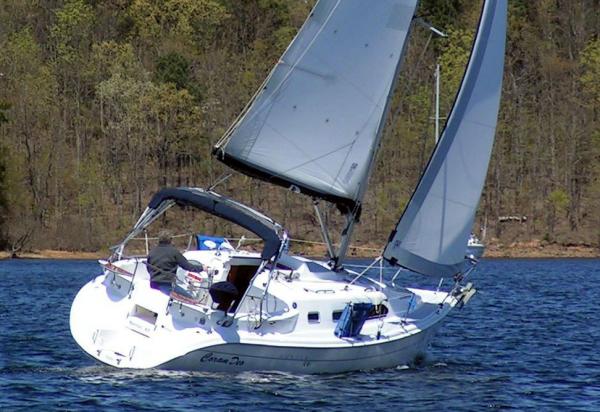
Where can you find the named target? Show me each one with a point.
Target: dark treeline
(102, 102)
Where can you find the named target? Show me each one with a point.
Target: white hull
(476, 251)
(108, 324)
(235, 357)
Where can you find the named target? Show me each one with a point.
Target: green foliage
(559, 200)
(146, 120)
(283, 36)
(103, 102)
(186, 20)
(21, 54)
(175, 69)
(454, 59)
(442, 14)
(4, 107)
(111, 58)
(70, 33)
(590, 80)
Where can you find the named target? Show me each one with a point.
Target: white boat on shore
(314, 126)
(475, 247)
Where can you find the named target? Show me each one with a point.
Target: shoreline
(54, 254)
(538, 249)
(530, 250)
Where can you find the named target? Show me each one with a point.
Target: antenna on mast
(437, 32)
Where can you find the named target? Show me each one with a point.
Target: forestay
(432, 234)
(315, 124)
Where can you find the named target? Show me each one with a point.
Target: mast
(437, 102)
(437, 75)
(324, 230)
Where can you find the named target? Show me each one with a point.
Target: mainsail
(432, 233)
(315, 125)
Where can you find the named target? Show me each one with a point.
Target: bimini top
(228, 209)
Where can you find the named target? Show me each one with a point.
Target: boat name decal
(227, 360)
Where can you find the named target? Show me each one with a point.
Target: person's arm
(185, 264)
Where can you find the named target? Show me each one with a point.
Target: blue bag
(352, 319)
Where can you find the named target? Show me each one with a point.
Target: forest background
(104, 102)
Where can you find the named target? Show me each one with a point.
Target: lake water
(528, 340)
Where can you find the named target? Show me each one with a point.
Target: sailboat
(475, 247)
(314, 126)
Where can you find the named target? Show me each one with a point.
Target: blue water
(528, 340)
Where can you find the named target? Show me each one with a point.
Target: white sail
(315, 124)
(432, 233)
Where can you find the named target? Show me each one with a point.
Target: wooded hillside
(104, 102)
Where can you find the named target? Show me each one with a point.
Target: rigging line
(366, 266)
(336, 244)
(259, 239)
(335, 179)
(467, 120)
(227, 135)
(256, 129)
(358, 276)
(270, 101)
(155, 238)
(220, 180)
(288, 74)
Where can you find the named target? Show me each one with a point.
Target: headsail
(432, 233)
(315, 124)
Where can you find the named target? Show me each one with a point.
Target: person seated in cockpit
(163, 261)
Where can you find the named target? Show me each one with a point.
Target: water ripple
(528, 340)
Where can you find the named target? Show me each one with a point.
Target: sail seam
(310, 160)
(260, 108)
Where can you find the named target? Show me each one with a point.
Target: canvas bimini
(314, 126)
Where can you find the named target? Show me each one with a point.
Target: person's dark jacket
(163, 261)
